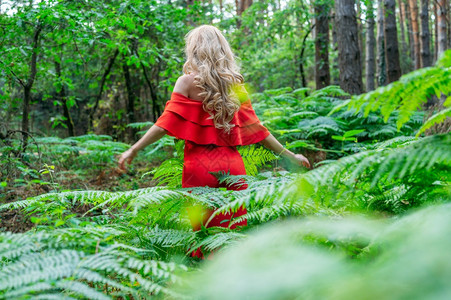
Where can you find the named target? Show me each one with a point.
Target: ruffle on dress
(185, 118)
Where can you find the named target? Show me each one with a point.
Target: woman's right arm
(273, 144)
(152, 135)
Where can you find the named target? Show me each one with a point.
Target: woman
(210, 110)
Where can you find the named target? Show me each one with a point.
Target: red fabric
(208, 149)
(185, 119)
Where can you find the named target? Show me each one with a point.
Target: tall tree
(29, 83)
(381, 73)
(409, 29)
(425, 36)
(322, 72)
(402, 18)
(241, 6)
(415, 32)
(348, 47)
(370, 45)
(435, 30)
(360, 33)
(441, 24)
(391, 42)
(62, 96)
(131, 95)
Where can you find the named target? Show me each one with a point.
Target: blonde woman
(210, 110)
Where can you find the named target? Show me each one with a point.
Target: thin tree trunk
(360, 34)
(381, 74)
(391, 41)
(370, 45)
(335, 75)
(409, 29)
(301, 56)
(153, 95)
(322, 72)
(102, 84)
(130, 94)
(441, 23)
(415, 32)
(425, 36)
(402, 17)
(28, 85)
(62, 96)
(448, 21)
(435, 30)
(348, 47)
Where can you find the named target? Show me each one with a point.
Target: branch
(20, 81)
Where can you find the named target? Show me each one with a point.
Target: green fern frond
(406, 95)
(437, 118)
(219, 240)
(140, 125)
(255, 157)
(169, 173)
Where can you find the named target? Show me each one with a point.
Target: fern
(169, 173)
(406, 95)
(437, 118)
(255, 157)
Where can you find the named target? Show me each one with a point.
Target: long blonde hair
(209, 56)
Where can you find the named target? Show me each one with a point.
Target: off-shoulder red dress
(208, 149)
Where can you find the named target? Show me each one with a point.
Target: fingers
(121, 163)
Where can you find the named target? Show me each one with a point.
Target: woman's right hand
(300, 160)
(128, 157)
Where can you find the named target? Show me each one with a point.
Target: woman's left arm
(152, 135)
(273, 144)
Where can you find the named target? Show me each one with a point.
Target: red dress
(208, 149)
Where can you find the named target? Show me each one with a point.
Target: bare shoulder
(184, 84)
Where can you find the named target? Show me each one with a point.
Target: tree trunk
(391, 42)
(370, 45)
(301, 56)
(102, 84)
(28, 85)
(241, 6)
(130, 94)
(448, 21)
(409, 29)
(435, 30)
(415, 32)
(348, 47)
(322, 73)
(381, 74)
(441, 24)
(402, 18)
(425, 36)
(360, 35)
(335, 75)
(62, 96)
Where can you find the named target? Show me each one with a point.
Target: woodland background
(362, 88)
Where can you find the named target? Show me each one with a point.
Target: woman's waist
(210, 151)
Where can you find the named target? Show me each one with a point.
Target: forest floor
(108, 179)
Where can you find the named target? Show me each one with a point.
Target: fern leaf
(435, 119)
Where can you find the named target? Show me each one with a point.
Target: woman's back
(185, 85)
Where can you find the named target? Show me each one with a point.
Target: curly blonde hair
(210, 58)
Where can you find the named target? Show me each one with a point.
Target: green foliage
(407, 95)
(48, 264)
(136, 243)
(255, 157)
(315, 252)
